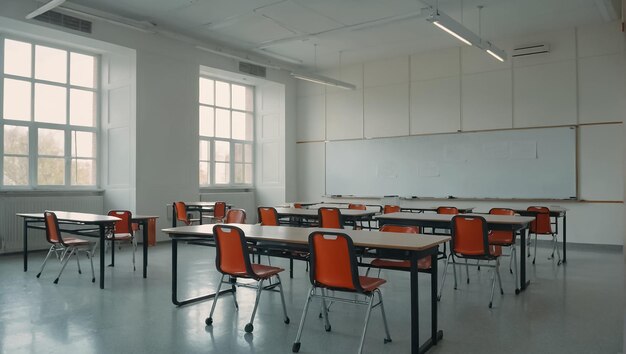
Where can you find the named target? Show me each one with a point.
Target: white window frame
(33, 126)
(213, 139)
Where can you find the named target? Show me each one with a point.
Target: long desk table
(418, 247)
(462, 210)
(442, 221)
(555, 212)
(348, 214)
(84, 224)
(199, 207)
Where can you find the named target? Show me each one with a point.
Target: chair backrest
(499, 234)
(400, 228)
(357, 206)
(297, 205)
(542, 224)
(268, 216)
(469, 235)
(447, 210)
(388, 209)
(125, 225)
(219, 210)
(180, 210)
(232, 252)
(333, 262)
(235, 216)
(53, 234)
(330, 218)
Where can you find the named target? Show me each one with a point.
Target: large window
(226, 133)
(48, 116)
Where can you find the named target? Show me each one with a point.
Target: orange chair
(334, 267)
(122, 232)
(297, 205)
(219, 212)
(330, 218)
(388, 209)
(543, 226)
(422, 263)
(268, 216)
(357, 206)
(64, 247)
(470, 240)
(180, 212)
(447, 210)
(232, 259)
(235, 216)
(505, 239)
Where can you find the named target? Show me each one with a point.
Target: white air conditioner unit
(531, 50)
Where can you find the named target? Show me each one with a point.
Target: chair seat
(422, 263)
(370, 284)
(73, 241)
(264, 271)
(494, 252)
(501, 238)
(121, 237)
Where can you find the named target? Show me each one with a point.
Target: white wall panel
(307, 88)
(386, 110)
(311, 118)
(311, 171)
(474, 60)
(435, 106)
(601, 162)
(544, 95)
(437, 64)
(386, 72)
(601, 39)
(601, 94)
(344, 115)
(487, 100)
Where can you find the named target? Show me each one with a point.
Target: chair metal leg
(66, 259)
(134, 241)
(511, 259)
(296, 344)
(558, 250)
(514, 252)
(209, 320)
(498, 275)
(454, 271)
(78, 263)
(382, 309)
(467, 270)
(535, 254)
(250, 327)
(443, 281)
(493, 286)
(367, 320)
(282, 298)
(52, 249)
(327, 325)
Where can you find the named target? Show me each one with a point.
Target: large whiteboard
(528, 163)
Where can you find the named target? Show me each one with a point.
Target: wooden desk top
(491, 219)
(74, 217)
(300, 235)
(313, 212)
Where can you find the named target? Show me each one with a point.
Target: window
(48, 116)
(226, 133)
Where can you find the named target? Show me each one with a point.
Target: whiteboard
(528, 163)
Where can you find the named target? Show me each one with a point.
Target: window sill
(226, 189)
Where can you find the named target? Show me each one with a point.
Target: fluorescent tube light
(45, 8)
(494, 55)
(454, 34)
(453, 28)
(494, 51)
(322, 80)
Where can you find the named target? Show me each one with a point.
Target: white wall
(167, 111)
(463, 89)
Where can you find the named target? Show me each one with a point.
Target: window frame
(67, 128)
(211, 140)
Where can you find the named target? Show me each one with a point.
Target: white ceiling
(355, 30)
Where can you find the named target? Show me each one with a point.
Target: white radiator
(11, 232)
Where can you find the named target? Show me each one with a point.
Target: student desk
(418, 247)
(84, 224)
(442, 221)
(555, 212)
(199, 207)
(347, 214)
(462, 210)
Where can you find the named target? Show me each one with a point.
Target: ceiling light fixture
(45, 8)
(323, 80)
(463, 34)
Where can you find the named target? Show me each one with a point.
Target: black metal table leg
(112, 254)
(435, 334)
(415, 323)
(522, 260)
(25, 232)
(564, 237)
(144, 226)
(102, 235)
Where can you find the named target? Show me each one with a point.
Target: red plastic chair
(122, 232)
(235, 216)
(232, 259)
(357, 206)
(470, 240)
(297, 205)
(543, 226)
(330, 218)
(268, 216)
(180, 211)
(334, 267)
(505, 239)
(447, 210)
(64, 247)
(422, 263)
(388, 209)
(219, 212)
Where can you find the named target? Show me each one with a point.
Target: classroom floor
(575, 308)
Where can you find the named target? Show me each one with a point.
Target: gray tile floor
(576, 308)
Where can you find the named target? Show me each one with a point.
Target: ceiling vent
(71, 22)
(531, 50)
(256, 70)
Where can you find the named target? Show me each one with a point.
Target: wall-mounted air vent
(63, 20)
(256, 70)
(530, 50)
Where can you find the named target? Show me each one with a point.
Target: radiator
(11, 226)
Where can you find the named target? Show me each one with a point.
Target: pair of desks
(83, 224)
